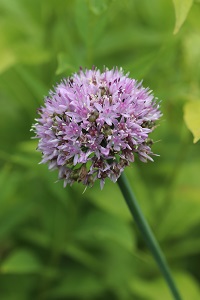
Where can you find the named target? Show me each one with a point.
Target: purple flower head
(93, 124)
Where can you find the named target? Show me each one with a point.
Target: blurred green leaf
(8, 59)
(98, 6)
(37, 88)
(89, 286)
(182, 8)
(36, 237)
(28, 147)
(79, 254)
(103, 227)
(131, 38)
(192, 118)
(13, 216)
(21, 43)
(22, 285)
(115, 204)
(191, 49)
(90, 27)
(83, 20)
(8, 184)
(184, 248)
(157, 289)
(64, 64)
(119, 266)
(20, 262)
(181, 217)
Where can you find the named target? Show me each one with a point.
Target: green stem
(147, 234)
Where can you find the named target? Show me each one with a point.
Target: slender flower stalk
(147, 234)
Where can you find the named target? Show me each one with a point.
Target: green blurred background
(58, 243)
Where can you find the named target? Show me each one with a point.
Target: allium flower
(93, 124)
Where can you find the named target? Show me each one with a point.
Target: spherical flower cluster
(91, 126)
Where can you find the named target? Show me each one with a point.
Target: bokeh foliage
(58, 243)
